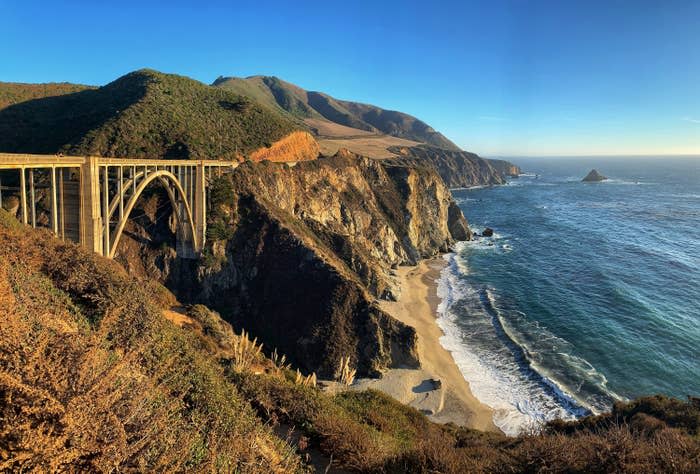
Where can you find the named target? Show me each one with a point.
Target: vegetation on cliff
(94, 377)
(144, 114)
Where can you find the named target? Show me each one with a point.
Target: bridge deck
(18, 160)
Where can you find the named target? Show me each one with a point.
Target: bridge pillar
(90, 217)
(200, 207)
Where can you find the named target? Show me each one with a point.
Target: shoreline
(453, 401)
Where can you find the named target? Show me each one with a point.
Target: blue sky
(498, 78)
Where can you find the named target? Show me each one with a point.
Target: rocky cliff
(298, 255)
(506, 168)
(459, 169)
(297, 146)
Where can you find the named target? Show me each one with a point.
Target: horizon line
(596, 155)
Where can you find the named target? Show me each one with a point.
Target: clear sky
(497, 77)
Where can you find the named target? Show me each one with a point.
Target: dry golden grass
(372, 146)
(327, 129)
(94, 379)
(346, 373)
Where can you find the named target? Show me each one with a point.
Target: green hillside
(143, 114)
(304, 104)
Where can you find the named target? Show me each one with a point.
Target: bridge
(89, 199)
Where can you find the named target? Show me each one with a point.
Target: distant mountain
(311, 107)
(142, 114)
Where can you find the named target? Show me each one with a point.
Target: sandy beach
(452, 401)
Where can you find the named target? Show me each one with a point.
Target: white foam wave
(520, 403)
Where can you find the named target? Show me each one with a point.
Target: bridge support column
(90, 217)
(23, 195)
(200, 207)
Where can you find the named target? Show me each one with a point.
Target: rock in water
(593, 176)
(488, 232)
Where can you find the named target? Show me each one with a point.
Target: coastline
(453, 401)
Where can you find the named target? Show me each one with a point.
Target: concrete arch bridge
(91, 198)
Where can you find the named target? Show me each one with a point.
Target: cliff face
(459, 169)
(506, 168)
(298, 255)
(303, 252)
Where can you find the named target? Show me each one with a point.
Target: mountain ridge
(305, 104)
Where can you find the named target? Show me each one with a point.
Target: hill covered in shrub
(143, 114)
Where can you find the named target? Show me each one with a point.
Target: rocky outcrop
(506, 168)
(593, 176)
(459, 169)
(298, 255)
(310, 247)
(297, 146)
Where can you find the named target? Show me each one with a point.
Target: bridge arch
(177, 197)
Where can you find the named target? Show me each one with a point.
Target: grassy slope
(306, 104)
(93, 378)
(272, 92)
(143, 114)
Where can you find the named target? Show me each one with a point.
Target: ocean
(586, 294)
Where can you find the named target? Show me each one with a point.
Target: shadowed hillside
(13, 93)
(143, 114)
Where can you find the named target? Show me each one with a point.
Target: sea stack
(593, 176)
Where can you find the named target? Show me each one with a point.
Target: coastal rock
(593, 176)
(459, 169)
(506, 168)
(323, 237)
(488, 232)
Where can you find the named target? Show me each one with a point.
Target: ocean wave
(507, 371)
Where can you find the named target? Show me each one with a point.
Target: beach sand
(453, 401)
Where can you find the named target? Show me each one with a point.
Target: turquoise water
(588, 292)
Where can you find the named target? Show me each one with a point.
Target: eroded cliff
(297, 146)
(459, 169)
(298, 255)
